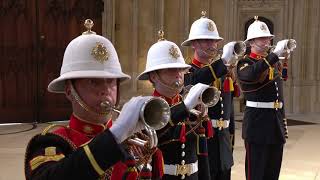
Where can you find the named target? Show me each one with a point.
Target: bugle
(209, 97)
(154, 114)
(289, 47)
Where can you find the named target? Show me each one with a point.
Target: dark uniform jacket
(261, 125)
(61, 155)
(174, 148)
(219, 147)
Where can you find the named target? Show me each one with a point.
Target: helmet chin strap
(84, 106)
(176, 86)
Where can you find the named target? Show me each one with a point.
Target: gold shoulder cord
(216, 82)
(93, 161)
(212, 71)
(271, 69)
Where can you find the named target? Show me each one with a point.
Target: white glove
(280, 47)
(228, 51)
(194, 95)
(128, 121)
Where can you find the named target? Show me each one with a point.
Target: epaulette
(45, 147)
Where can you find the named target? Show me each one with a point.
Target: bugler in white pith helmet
(163, 55)
(88, 56)
(258, 29)
(203, 28)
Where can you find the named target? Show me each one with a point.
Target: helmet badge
(100, 53)
(210, 26)
(263, 27)
(173, 51)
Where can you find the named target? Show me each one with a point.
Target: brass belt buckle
(277, 105)
(220, 123)
(183, 169)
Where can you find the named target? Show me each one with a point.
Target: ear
(193, 44)
(67, 90)
(251, 42)
(152, 77)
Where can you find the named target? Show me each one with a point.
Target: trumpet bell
(239, 48)
(155, 113)
(210, 97)
(291, 44)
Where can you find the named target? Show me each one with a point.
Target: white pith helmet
(163, 55)
(203, 28)
(258, 29)
(88, 56)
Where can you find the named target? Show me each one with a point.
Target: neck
(166, 92)
(255, 51)
(90, 117)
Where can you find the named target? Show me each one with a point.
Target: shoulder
(46, 147)
(244, 62)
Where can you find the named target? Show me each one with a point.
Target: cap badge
(263, 27)
(100, 53)
(210, 26)
(173, 51)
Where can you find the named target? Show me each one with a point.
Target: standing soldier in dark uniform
(209, 69)
(165, 69)
(86, 148)
(264, 125)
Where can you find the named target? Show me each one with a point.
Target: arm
(63, 162)
(207, 74)
(251, 72)
(179, 112)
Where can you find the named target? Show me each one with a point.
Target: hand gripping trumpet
(154, 114)
(239, 50)
(289, 47)
(209, 97)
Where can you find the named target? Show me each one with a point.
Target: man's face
(260, 45)
(172, 75)
(205, 48)
(169, 77)
(93, 91)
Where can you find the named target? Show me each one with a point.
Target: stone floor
(301, 155)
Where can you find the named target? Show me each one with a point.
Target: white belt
(219, 123)
(270, 105)
(179, 169)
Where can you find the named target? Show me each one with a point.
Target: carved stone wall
(132, 26)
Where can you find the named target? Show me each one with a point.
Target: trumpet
(239, 50)
(208, 98)
(154, 114)
(289, 47)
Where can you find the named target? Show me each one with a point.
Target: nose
(179, 73)
(104, 88)
(214, 44)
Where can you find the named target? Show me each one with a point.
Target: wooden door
(60, 21)
(18, 61)
(32, 55)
